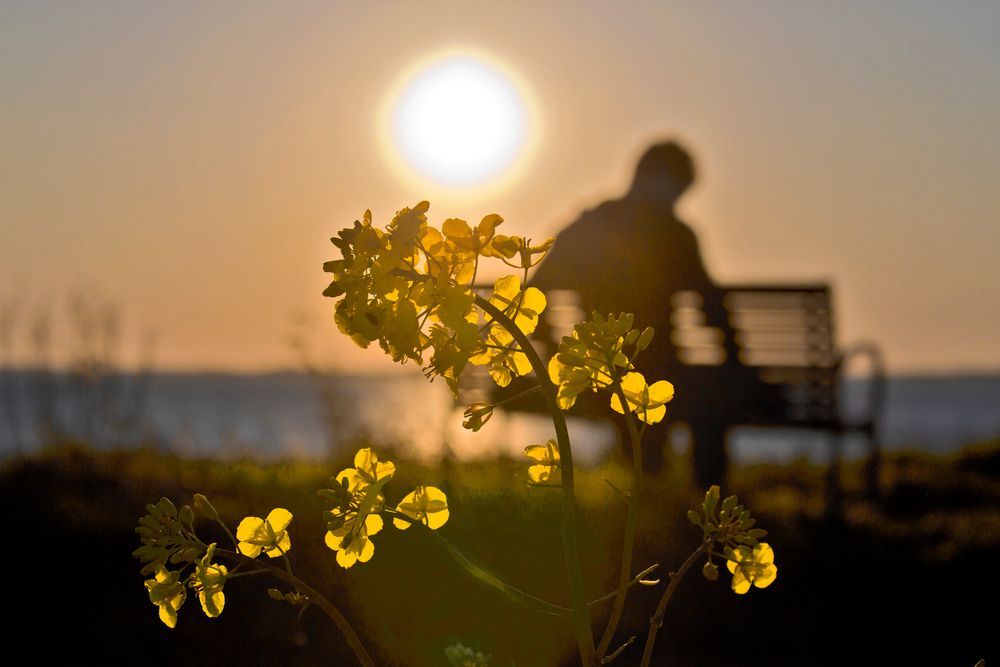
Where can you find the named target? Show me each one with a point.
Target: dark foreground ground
(910, 580)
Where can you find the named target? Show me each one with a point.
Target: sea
(302, 416)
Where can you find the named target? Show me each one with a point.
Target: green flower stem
(232, 537)
(656, 622)
(315, 597)
(514, 592)
(580, 617)
(237, 575)
(521, 596)
(539, 604)
(520, 394)
(284, 556)
(628, 542)
(632, 582)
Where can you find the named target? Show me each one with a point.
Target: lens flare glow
(459, 122)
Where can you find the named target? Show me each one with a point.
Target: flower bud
(476, 415)
(205, 508)
(710, 571)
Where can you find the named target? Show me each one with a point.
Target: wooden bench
(777, 364)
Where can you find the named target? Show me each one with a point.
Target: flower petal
(373, 524)
(248, 528)
(279, 518)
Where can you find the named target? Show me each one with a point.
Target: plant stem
(232, 538)
(514, 592)
(629, 539)
(656, 622)
(315, 597)
(632, 582)
(520, 394)
(571, 551)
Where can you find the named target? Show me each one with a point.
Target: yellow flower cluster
(593, 357)
(359, 519)
(501, 352)
(730, 526)
(409, 287)
(167, 592)
(358, 502)
(168, 539)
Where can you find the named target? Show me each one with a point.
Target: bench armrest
(876, 382)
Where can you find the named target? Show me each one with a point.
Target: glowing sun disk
(459, 122)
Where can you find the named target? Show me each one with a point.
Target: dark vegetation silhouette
(86, 399)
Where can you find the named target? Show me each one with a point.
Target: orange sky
(190, 163)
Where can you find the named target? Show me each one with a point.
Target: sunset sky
(189, 161)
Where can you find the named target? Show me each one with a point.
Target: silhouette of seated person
(632, 255)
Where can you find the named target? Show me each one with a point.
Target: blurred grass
(919, 560)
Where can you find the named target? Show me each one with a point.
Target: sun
(459, 121)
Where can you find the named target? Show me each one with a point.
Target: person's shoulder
(605, 213)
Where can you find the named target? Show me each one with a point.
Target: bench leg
(834, 489)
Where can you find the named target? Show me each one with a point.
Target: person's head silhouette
(664, 172)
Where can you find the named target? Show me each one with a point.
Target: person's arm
(712, 296)
(559, 269)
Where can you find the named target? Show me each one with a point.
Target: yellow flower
(546, 469)
(508, 246)
(504, 356)
(573, 378)
(427, 505)
(753, 565)
(168, 594)
(208, 580)
(351, 541)
(468, 240)
(476, 416)
(366, 471)
(647, 401)
(522, 307)
(270, 535)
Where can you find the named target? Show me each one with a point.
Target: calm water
(290, 414)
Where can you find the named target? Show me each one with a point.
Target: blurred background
(170, 175)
